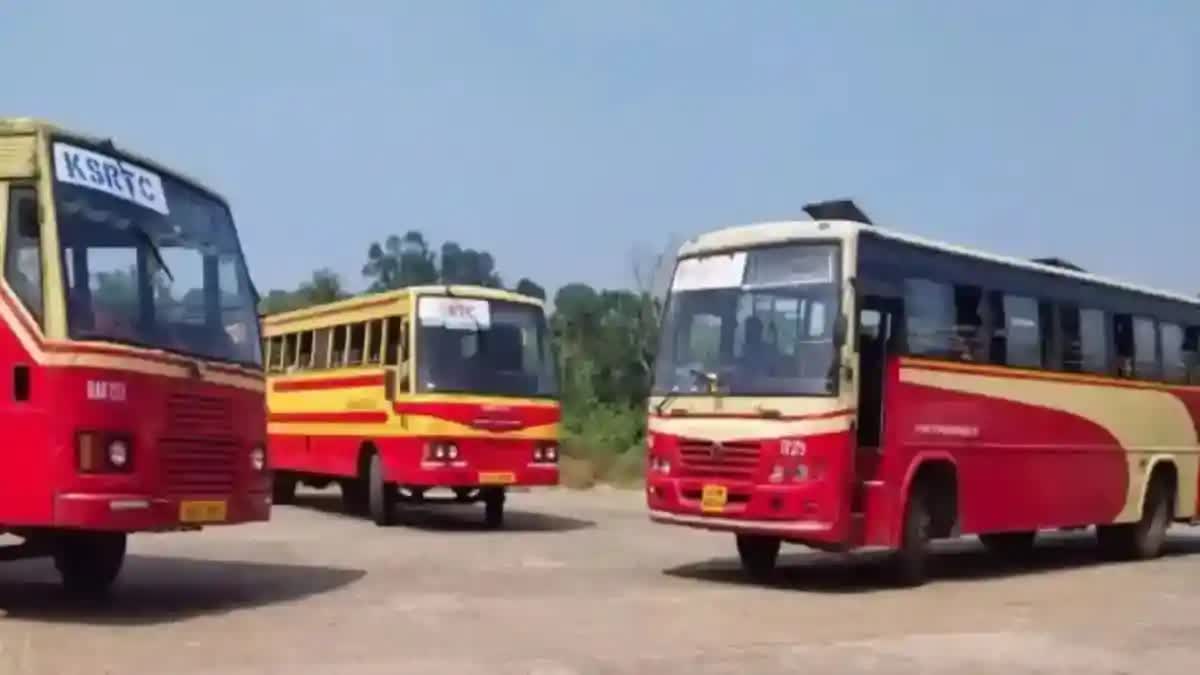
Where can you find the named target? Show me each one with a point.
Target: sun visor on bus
(837, 209)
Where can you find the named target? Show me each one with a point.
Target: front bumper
(140, 512)
(464, 474)
(791, 511)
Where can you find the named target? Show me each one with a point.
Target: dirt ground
(583, 583)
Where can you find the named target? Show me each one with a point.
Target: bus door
(877, 323)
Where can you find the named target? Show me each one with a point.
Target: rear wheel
(1145, 538)
(89, 562)
(493, 508)
(381, 495)
(283, 488)
(759, 555)
(910, 563)
(1009, 545)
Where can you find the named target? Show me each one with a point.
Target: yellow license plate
(713, 498)
(497, 478)
(202, 511)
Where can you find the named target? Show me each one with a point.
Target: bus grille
(199, 450)
(704, 459)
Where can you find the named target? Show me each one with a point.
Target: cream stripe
(1142, 420)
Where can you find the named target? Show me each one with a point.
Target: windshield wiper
(141, 233)
(710, 380)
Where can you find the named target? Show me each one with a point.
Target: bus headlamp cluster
(441, 451)
(258, 459)
(545, 454)
(103, 452)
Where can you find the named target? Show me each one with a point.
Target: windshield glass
(756, 322)
(150, 260)
(481, 346)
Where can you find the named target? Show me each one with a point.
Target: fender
(914, 465)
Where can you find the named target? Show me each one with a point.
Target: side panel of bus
(1029, 447)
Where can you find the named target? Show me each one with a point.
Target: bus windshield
(757, 322)
(472, 345)
(150, 260)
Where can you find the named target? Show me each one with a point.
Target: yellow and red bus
(131, 388)
(396, 395)
(839, 385)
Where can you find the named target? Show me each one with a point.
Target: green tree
(400, 261)
(323, 286)
(460, 265)
(528, 287)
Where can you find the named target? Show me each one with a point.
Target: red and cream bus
(397, 395)
(131, 390)
(837, 385)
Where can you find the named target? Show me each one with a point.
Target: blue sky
(563, 135)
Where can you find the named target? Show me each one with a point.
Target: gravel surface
(584, 583)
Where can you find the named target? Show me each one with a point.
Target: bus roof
(775, 232)
(10, 126)
(332, 312)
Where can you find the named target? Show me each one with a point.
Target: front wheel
(381, 495)
(910, 563)
(493, 508)
(759, 555)
(283, 488)
(89, 562)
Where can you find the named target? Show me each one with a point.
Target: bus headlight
(545, 454)
(118, 453)
(258, 459)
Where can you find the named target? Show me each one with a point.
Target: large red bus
(131, 393)
(837, 385)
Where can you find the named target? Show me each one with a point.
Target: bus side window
(357, 345)
(395, 335)
(1122, 329)
(23, 257)
(275, 365)
(338, 359)
(1191, 353)
(289, 352)
(1174, 365)
(1023, 332)
(305, 351)
(1145, 349)
(321, 348)
(375, 346)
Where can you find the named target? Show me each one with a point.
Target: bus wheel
(1009, 545)
(493, 508)
(910, 562)
(1145, 538)
(283, 488)
(354, 496)
(89, 562)
(758, 554)
(381, 495)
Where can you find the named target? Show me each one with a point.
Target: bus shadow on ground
(450, 517)
(158, 589)
(955, 561)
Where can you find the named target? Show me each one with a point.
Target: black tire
(354, 496)
(1146, 538)
(89, 562)
(381, 495)
(1009, 545)
(759, 555)
(493, 508)
(283, 488)
(910, 563)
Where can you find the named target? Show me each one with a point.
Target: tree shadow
(449, 517)
(159, 589)
(957, 561)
